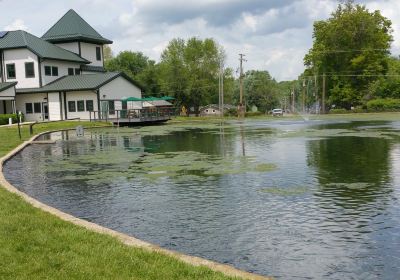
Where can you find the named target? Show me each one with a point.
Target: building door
(124, 109)
(104, 110)
(45, 110)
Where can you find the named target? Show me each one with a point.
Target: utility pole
(241, 108)
(323, 92)
(304, 97)
(221, 88)
(293, 98)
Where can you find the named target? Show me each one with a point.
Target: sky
(273, 34)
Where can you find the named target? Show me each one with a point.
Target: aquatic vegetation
(292, 191)
(351, 186)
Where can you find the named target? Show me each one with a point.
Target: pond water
(290, 199)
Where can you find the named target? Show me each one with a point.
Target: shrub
(381, 105)
(339, 111)
(4, 118)
(231, 112)
(253, 114)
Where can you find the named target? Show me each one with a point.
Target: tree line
(351, 49)
(189, 71)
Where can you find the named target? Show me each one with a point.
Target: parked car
(277, 112)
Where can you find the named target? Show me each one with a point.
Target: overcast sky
(274, 34)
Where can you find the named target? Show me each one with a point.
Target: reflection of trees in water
(216, 142)
(342, 163)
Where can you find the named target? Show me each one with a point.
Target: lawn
(38, 245)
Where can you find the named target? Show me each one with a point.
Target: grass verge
(38, 245)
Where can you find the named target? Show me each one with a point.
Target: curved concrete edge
(124, 238)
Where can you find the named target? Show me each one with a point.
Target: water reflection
(292, 200)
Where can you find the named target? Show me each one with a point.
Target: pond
(289, 199)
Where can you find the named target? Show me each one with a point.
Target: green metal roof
(72, 27)
(22, 39)
(6, 85)
(78, 83)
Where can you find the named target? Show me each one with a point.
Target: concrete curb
(124, 238)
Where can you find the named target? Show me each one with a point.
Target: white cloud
(274, 34)
(17, 24)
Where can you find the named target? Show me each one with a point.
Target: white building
(60, 76)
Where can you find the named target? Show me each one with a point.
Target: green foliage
(352, 47)
(260, 90)
(4, 118)
(189, 71)
(339, 111)
(380, 105)
(254, 114)
(137, 66)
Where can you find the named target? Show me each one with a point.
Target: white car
(277, 112)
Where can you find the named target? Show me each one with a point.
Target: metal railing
(133, 115)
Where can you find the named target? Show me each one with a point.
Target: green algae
(293, 191)
(351, 186)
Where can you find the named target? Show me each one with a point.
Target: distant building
(214, 110)
(61, 75)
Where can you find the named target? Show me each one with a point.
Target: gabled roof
(22, 39)
(79, 83)
(72, 27)
(6, 85)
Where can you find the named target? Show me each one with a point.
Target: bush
(339, 111)
(4, 118)
(231, 112)
(381, 105)
(253, 114)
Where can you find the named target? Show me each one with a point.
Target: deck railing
(134, 115)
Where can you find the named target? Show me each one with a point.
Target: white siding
(88, 51)
(81, 95)
(8, 94)
(19, 57)
(62, 69)
(54, 106)
(72, 47)
(118, 89)
(21, 99)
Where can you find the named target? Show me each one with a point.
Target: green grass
(38, 245)
(388, 116)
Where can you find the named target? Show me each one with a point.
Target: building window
(77, 71)
(28, 108)
(29, 70)
(81, 105)
(37, 107)
(54, 71)
(47, 70)
(89, 105)
(111, 107)
(98, 53)
(71, 106)
(11, 71)
(70, 71)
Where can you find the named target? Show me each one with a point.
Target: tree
(107, 53)
(352, 47)
(261, 90)
(190, 69)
